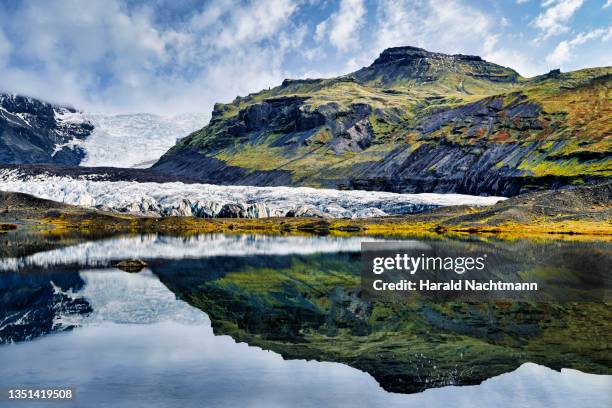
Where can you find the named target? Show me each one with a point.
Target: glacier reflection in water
(97, 253)
(124, 298)
(143, 348)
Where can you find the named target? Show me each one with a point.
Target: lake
(276, 321)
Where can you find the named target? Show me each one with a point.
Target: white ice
(207, 200)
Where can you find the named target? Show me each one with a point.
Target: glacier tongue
(210, 201)
(134, 140)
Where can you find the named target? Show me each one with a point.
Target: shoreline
(578, 213)
(424, 224)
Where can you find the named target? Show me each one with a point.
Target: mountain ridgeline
(413, 121)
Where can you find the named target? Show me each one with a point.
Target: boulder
(131, 265)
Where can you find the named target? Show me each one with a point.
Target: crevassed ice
(207, 200)
(129, 140)
(134, 140)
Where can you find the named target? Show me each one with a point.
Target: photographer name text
(453, 285)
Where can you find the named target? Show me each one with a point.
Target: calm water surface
(70, 319)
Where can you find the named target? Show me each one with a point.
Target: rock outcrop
(416, 64)
(33, 131)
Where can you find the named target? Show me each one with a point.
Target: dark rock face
(195, 167)
(32, 131)
(350, 129)
(448, 169)
(290, 117)
(485, 115)
(278, 114)
(352, 132)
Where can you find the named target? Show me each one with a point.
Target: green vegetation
(331, 132)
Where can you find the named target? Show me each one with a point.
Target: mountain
(413, 121)
(34, 131)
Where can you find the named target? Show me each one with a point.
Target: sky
(177, 56)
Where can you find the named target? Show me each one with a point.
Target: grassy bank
(418, 224)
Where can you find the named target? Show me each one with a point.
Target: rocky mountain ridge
(33, 131)
(399, 64)
(413, 121)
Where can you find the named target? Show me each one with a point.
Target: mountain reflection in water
(128, 339)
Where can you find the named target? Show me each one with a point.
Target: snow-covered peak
(35, 131)
(69, 127)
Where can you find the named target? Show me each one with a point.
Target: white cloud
(311, 54)
(452, 27)
(69, 48)
(292, 40)
(515, 59)
(254, 22)
(345, 23)
(518, 60)
(320, 31)
(106, 56)
(608, 4)
(120, 56)
(554, 19)
(5, 48)
(448, 26)
(563, 52)
(521, 1)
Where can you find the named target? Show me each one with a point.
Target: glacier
(134, 140)
(212, 201)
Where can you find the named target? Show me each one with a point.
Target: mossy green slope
(413, 121)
